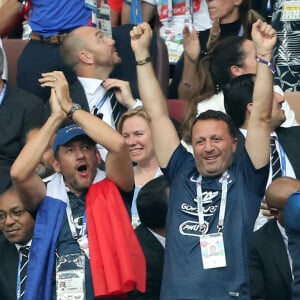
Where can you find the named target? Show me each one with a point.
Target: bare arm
(29, 186)
(115, 17)
(118, 164)
(259, 126)
(125, 15)
(191, 55)
(9, 13)
(165, 137)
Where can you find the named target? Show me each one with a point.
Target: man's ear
(235, 71)
(86, 57)
(98, 155)
(274, 212)
(56, 165)
(249, 107)
(234, 144)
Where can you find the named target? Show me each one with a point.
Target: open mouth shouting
(82, 170)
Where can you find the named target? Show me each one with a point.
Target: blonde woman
(134, 126)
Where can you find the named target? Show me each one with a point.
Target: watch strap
(73, 108)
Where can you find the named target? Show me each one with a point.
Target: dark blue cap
(66, 134)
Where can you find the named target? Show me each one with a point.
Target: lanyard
(72, 224)
(2, 94)
(189, 16)
(107, 95)
(19, 279)
(224, 182)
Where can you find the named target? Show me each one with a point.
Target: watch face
(74, 107)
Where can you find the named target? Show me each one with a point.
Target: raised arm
(29, 186)
(259, 126)
(191, 56)
(9, 13)
(118, 165)
(165, 137)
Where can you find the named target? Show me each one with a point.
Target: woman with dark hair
(230, 18)
(232, 57)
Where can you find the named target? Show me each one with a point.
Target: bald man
(292, 227)
(93, 57)
(270, 261)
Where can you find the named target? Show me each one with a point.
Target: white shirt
(159, 237)
(289, 171)
(216, 102)
(18, 246)
(4, 74)
(94, 92)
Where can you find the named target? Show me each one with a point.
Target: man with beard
(89, 225)
(93, 57)
(213, 200)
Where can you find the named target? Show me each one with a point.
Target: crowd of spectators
(104, 196)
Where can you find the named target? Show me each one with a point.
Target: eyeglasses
(14, 214)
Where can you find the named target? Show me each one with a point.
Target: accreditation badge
(172, 34)
(290, 11)
(212, 250)
(70, 277)
(103, 19)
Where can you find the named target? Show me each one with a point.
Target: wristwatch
(73, 108)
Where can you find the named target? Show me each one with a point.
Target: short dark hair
(237, 94)
(152, 203)
(218, 116)
(72, 44)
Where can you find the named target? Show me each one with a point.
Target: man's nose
(208, 146)
(9, 220)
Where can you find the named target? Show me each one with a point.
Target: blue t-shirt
(184, 276)
(56, 16)
(66, 244)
